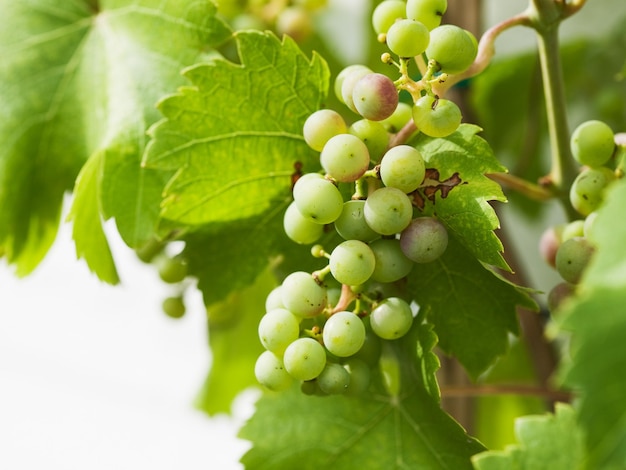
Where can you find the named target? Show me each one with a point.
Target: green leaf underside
(80, 82)
(473, 309)
(374, 431)
(550, 442)
(465, 210)
(236, 134)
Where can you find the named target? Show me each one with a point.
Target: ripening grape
(375, 96)
(356, 71)
(559, 294)
(424, 240)
(403, 167)
(321, 126)
(344, 334)
(352, 262)
(392, 318)
(174, 306)
(270, 372)
(587, 191)
(572, 258)
(304, 359)
(407, 38)
(452, 47)
(299, 228)
(549, 243)
(302, 295)
(386, 13)
(400, 118)
(317, 198)
(278, 328)
(173, 270)
(360, 376)
(349, 82)
(592, 143)
(373, 134)
(295, 22)
(428, 12)
(345, 158)
(334, 379)
(388, 211)
(436, 117)
(391, 264)
(351, 224)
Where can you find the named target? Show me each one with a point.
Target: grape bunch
(326, 329)
(568, 247)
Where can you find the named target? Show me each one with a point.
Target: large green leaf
(235, 135)
(80, 79)
(404, 430)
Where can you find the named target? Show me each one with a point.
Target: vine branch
(522, 390)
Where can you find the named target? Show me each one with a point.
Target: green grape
(320, 126)
(360, 376)
(270, 372)
(148, 251)
(388, 211)
(356, 71)
(587, 191)
(403, 167)
(345, 158)
(173, 270)
(302, 295)
(390, 370)
(428, 12)
(386, 13)
(334, 379)
(370, 351)
(174, 307)
(572, 258)
(392, 318)
(278, 328)
(590, 220)
(317, 198)
(304, 359)
(274, 299)
(424, 240)
(351, 224)
(572, 229)
(407, 38)
(453, 48)
(375, 96)
(299, 228)
(348, 84)
(295, 22)
(436, 117)
(309, 387)
(373, 134)
(400, 118)
(343, 334)
(352, 262)
(391, 263)
(592, 143)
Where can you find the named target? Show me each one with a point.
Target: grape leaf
(458, 193)
(472, 308)
(548, 441)
(81, 79)
(235, 135)
(375, 430)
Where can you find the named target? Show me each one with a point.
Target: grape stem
(522, 390)
(345, 299)
(528, 189)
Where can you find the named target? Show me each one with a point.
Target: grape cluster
(568, 247)
(326, 328)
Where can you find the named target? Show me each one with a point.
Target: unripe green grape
(588, 225)
(407, 38)
(391, 262)
(436, 117)
(360, 376)
(375, 96)
(320, 126)
(400, 118)
(173, 270)
(148, 251)
(424, 240)
(386, 13)
(428, 12)
(302, 295)
(352, 262)
(274, 299)
(343, 334)
(270, 372)
(452, 48)
(587, 191)
(403, 167)
(174, 306)
(373, 134)
(392, 318)
(572, 258)
(295, 22)
(572, 229)
(348, 84)
(345, 158)
(278, 328)
(388, 211)
(317, 198)
(299, 228)
(351, 224)
(357, 70)
(592, 143)
(334, 379)
(304, 359)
